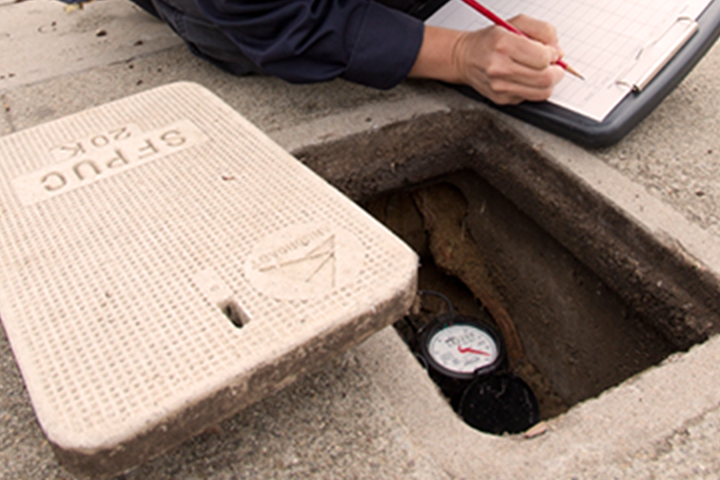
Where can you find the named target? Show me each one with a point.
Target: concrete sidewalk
(372, 413)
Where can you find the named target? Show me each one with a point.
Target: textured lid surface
(160, 250)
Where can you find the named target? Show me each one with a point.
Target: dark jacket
(362, 41)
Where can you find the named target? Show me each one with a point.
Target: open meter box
(164, 264)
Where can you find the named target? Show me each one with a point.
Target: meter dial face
(463, 348)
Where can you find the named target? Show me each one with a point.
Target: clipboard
(688, 40)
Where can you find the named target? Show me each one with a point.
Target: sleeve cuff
(386, 47)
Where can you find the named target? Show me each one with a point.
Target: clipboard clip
(655, 55)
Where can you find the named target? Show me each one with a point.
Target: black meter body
(457, 349)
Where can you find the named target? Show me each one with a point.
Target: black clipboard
(631, 110)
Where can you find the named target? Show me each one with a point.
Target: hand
(508, 68)
(504, 67)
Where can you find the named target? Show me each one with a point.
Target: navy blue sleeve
(316, 40)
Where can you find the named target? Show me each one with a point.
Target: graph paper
(602, 40)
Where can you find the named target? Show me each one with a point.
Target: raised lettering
(100, 141)
(53, 181)
(101, 154)
(90, 164)
(73, 150)
(119, 160)
(120, 134)
(172, 138)
(269, 257)
(146, 151)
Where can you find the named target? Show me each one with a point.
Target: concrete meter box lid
(163, 264)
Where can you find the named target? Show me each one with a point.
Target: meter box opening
(164, 264)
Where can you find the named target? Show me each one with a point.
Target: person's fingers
(525, 51)
(538, 30)
(543, 32)
(512, 56)
(509, 90)
(506, 67)
(512, 72)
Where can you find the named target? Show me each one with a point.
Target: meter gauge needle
(461, 348)
(472, 350)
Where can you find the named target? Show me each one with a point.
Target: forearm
(437, 57)
(317, 40)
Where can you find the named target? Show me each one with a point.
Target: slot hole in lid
(234, 313)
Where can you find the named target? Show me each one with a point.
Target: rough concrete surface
(40, 41)
(675, 155)
(259, 99)
(373, 413)
(333, 424)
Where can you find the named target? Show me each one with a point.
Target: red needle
(472, 350)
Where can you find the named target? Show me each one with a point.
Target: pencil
(500, 22)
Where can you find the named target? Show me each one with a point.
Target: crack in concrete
(680, 436)
(5, 105)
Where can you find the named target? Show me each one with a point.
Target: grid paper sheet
(601, 40)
